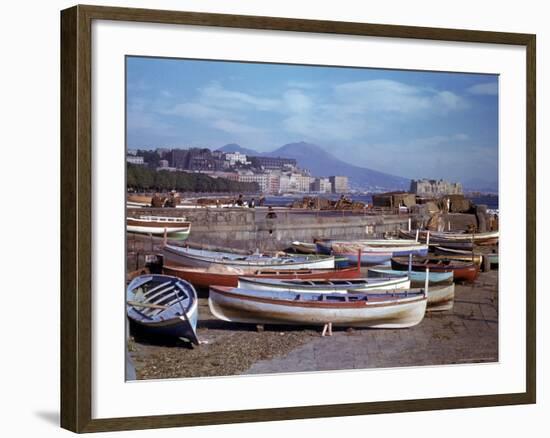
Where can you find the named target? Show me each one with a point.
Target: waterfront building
(339, 184)
(232, 176)
(134, 159)
(163, 163)
(195, 159)
(273, 162)
(236, 157)
(273, 183)
(321, 185)
(434, 188)
(262, 179)
(294, 183)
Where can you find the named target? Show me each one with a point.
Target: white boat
(204, 258)
(343, 286)
(174, 227)
(374, 310)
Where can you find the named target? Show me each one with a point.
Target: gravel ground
(468, 333)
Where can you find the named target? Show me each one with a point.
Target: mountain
(322, 163)
(233, 147)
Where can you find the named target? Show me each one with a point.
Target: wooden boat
(175, 228)
(417, 278)
(462, 271)
(491, 257)
(163, 305)
(303, 247)
(340, 262)
(358, 254)
(204, 258)
(374, 310)
(344, 285)
(486, 238)
(441, 298)
(204, 277)
(371, 246)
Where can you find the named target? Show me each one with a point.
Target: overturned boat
(163, 305)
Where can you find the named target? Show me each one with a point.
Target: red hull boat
(462, 271)
(202, 278)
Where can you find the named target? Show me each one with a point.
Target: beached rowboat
(485, 238)
(345, 285)
(175, 228)
(373, 251)
(374, 310)
(205, 258)
(358, 254)
(418, 279)
(163, 305)
(205, 277)
(462, 271)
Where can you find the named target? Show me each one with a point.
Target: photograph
(286, 218)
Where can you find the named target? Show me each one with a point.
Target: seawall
(249, 229)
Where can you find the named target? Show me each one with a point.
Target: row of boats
(324, 286)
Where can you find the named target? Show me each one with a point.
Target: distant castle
(432, 187)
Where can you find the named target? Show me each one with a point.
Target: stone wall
(248, 229)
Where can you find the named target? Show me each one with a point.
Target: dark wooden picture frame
(76, 225)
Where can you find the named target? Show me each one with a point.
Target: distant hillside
(322, 163)
(233, 147)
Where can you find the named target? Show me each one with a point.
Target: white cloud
(194, 110)
(234, 127)
(486, 88)
(297, 102)
(383, 95)
(216, 95)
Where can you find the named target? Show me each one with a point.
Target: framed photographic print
(305, 218)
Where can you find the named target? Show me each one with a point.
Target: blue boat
(418, 278)
(163, 305)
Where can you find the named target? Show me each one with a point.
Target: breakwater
(249, 229)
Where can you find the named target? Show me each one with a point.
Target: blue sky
(409, 123)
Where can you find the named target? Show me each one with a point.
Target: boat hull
(169, 307)
(203, 279)
(176, 327)
(486, 238)
(461, 271)
(367, 259)
(238, 307)
(205, 259)
(177, 235)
